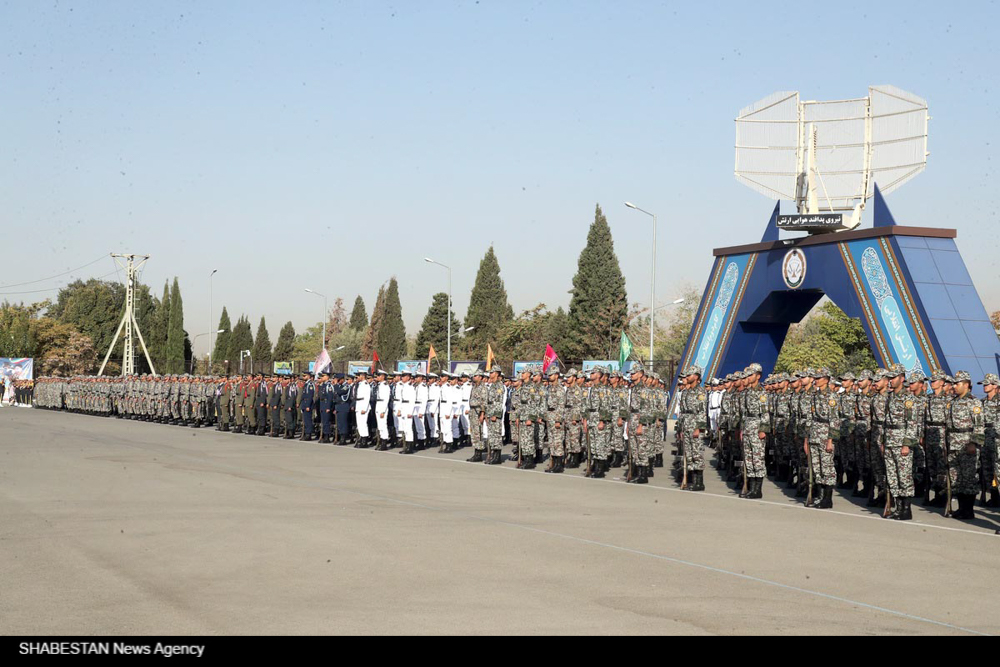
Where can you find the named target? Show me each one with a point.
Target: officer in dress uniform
(342, 404)
(306, 401)
(327, 399)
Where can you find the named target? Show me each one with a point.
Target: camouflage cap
(963, 376)
(553, 372)
(916, 375)
(848, 376)
(571, 373)
(938, 376)
(865, 375)
(991, 378)
(755, 368)
(480, 373)
(948, 379)
(895, 371)
(821, 373)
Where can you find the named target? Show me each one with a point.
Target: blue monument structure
(908, 286)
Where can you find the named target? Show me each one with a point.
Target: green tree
(351, 340)
(525, 336)
(307, 345)
(175, 331)
(336, 320)
(370, 342)
(222, 339)
(157, 335)
(359, 318)
(599, 303)
(62, 350)
(242, 339)
(434, 330)
(286, 343)
(806, 346)
(488, 310)
(95, 309)
(262, 346)
(391, 340)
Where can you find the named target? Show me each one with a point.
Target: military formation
(886, 436)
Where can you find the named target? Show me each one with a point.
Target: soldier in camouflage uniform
(965, 428)
(598, 428)
(783, 440)
(555, 409)
(916, 386)
(819, 443)
(575, 395)
(638, 427)
(901, 433)
(693, 410)
(935, 413)
(495, 405)
(531, 404)
(477, 413)
(991, 414)
(617, 394)
(754, 424)
(843, 433)
(879, 405)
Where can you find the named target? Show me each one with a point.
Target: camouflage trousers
(823, 469)
(574, 437)
(639, 444)
(694, 450)
(899, 472)
(988, 458)
(617, 436)
(861, 446)
(526, 437)
(934, 455)
(557, 438)
(476, 431)
(753, 450)
(494, 434)
(784, 443)
(994, 445)
(658, 439)
(876, 459)
(600, 439)
(963, 468)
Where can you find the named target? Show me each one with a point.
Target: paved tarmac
(118, 527)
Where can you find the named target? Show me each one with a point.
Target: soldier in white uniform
(464, 408)
(445, 412)
(433, 405)
(419, 409)
(362, 404)
(382, 391)
(406, 399)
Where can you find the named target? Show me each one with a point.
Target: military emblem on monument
(793, 268)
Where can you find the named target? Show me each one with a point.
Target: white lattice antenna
(129, 322)
(827, 156)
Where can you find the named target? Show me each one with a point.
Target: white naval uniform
(406, 396)
(419, 409)
(382, 390)
(433, 405)
(466, 396)
(362, 404)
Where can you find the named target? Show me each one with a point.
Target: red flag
(550, 356)
(375, 360)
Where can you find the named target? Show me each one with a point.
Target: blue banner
(722, 300)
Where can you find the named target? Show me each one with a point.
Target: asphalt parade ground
(118, 527)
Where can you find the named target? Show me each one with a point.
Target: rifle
(743, 463)
(809, 461)
(684, 467)
(586, 436)
(888, 499)
(947, 474)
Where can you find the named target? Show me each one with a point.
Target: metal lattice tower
(129, 322)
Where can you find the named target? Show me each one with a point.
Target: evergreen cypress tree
(241, 340)
(158, 334)
(371, 336)
(175, 331)
(599, 305)
(434, 330)
(222, 339)
(489, 310)
(262, 346)
(286, 343)
(391, 339)
(359, 318)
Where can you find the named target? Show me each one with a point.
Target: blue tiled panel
(942, 244)
(936, 301)
(911, 242)
(952, 268)
(921, 265)
(982, 337)
(967, 303)
(990, 364)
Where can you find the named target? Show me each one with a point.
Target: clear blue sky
(333, 145)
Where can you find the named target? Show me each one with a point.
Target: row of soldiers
(880, 435)
(16, 392)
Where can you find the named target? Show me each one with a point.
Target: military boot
(477, 457)
(757, 488)
(598, 467)
(528, 462)
(642, 478)
(793, 477)
(699, 480)
(658, 461)
(994, 500)
(554, 465)
(903, 510)
(827, 500)
(616, 460)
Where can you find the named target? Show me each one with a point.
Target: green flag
(625, 351)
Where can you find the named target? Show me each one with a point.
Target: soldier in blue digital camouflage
(965, 427)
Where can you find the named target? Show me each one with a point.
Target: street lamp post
(207, 333)
(322, 345)
(652, 283)
(211, 315)
(431, 261)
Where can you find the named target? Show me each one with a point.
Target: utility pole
(129, 322)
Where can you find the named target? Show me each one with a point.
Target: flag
(431, 355)
(550, 356)
(375, 360)
(323, 362)
(490, 359)
(624, 352)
